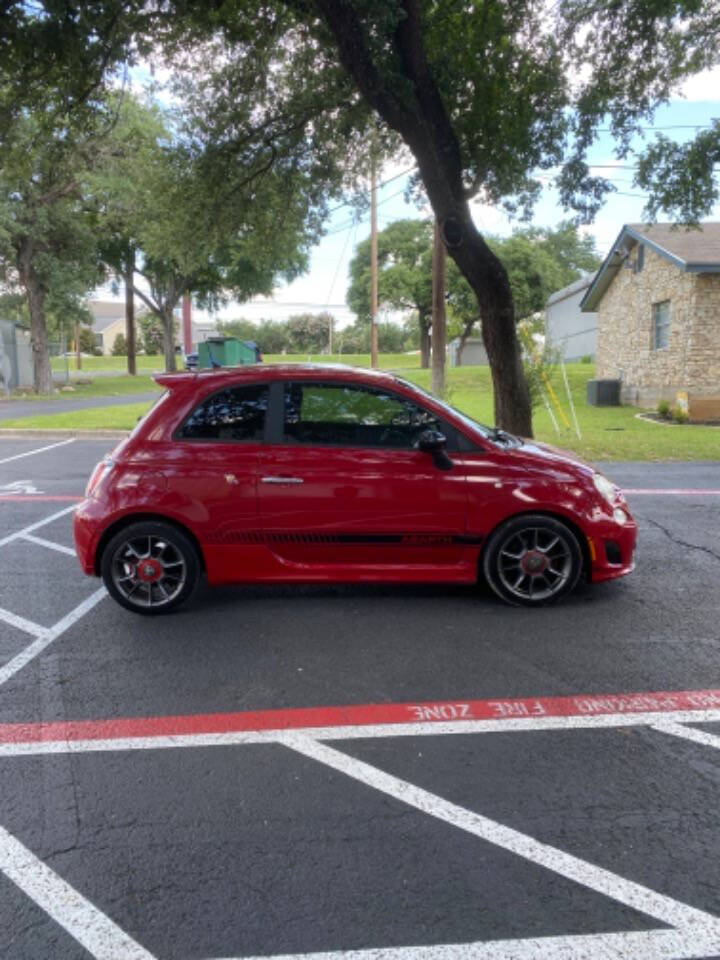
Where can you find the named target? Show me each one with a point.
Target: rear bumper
(87, 529)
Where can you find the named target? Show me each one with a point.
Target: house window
(661, 324)
(639, 258)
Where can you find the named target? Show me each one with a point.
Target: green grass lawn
(608, 433)
(93, 364)
(97, 387)
(388, 361)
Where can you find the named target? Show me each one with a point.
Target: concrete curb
(57, 432)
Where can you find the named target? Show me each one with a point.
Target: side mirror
(433, 442)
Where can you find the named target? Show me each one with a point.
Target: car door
(344, 493)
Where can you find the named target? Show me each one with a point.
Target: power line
(350, 223)
(403, 173)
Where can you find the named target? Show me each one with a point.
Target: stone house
(657, 299)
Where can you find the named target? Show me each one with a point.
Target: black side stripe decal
(261, 537)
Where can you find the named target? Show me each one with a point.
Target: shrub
(663, 408)
(586, 359)
(119, 347)
(679, 415)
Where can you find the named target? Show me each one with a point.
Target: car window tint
(346, 415)
(237, 413)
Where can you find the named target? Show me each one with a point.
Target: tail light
(99, 473)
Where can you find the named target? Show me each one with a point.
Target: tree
(404, 275)
(537, 261)
(87, 341)
(151, 334)
(119, 347)
(484, 94)
(309, 332)
(200, 219)
(47, 246)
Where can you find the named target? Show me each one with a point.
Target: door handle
(282, 480)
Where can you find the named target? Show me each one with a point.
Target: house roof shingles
(692, 251)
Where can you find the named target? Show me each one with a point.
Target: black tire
(150, 567)
(532, 560)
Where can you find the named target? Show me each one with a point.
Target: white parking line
(50, 544)
(650, 945)
(31, 453)
(35, 526)
(27, 626)
(688, 733)
(631, 894)
(97, 933)
(49, 634)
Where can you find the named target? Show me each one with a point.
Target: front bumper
(612, 548)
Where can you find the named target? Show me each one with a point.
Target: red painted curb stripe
(27, 498)
(382, 713)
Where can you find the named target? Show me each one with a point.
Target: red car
(320, 473)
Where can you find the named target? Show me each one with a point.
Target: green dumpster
(225, 351)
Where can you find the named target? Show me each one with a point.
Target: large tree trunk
(424, 324)
(35, 293)
(489, 280)
(415, 109)
(129, 277)
(438, 318)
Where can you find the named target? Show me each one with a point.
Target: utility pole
(78, 357)
(373, 258)
(438, 316)
(129, 279)
(187, 323)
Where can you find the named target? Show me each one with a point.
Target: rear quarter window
(235, 414)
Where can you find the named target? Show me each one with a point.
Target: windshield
(486, 432)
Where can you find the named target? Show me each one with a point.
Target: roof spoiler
(174, 380)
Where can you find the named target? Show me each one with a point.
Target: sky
(325, 284)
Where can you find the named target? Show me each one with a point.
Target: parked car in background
(318, 473)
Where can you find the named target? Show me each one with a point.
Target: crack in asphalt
(682, 543)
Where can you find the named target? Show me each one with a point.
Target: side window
(237, 413)
(661, 325)
(345, 415)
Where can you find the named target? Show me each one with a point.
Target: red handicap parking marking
(121, 728)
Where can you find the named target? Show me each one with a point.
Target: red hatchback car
(321, 473)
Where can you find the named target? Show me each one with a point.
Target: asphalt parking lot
(367, 772)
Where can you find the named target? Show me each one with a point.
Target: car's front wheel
(150, 567)
(532, 560)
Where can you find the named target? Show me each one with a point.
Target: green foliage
(538, 262)
(119, 347)
(678, 415)
(309, 332)
(404, 269)
(663, 408)
(151, 333)
(87, 342)
(681, 179)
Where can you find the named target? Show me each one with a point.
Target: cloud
(703, 87)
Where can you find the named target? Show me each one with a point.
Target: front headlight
(604, 487)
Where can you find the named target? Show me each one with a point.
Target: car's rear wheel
(532, 560)
(150, 567)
